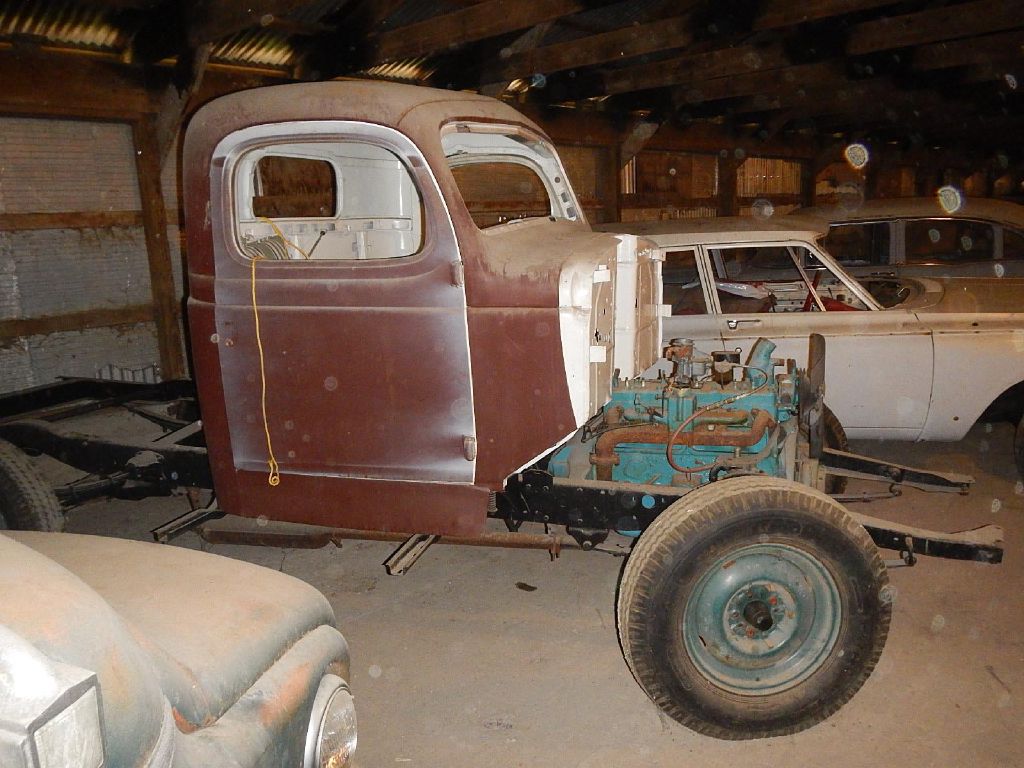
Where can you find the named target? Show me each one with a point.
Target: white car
(908, 358)
(973, 237)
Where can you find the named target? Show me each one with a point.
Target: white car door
(878, 372)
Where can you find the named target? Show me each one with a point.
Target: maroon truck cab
(433, 309)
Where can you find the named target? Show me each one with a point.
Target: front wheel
(753, 607)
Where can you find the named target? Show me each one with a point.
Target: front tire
(753, 607)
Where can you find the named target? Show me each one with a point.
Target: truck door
(340, 312)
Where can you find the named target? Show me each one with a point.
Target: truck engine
(709, 418)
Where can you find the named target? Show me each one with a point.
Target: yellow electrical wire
(279, 233)
(274, 476)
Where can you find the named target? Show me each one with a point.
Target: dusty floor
(501, 658)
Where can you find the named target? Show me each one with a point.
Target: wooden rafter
(477, 22)
(628, 42)
(946, 23)
(214, 20)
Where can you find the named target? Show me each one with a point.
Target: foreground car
(915, 359)
(121, 653)
(920, 237)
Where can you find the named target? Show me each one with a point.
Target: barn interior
(659, 111)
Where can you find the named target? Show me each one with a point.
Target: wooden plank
(628, 42)
(477, 22)
(788, 78)
(725, 62)
(728, 202)
(154, 221)
(21, 222)
(214, 20)
(71, 86)
(636, 137)
(786, 13)
(22, 327)
(946, 23)
(178, 95)
(1003, 46)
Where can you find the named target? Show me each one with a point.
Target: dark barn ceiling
(912, 74)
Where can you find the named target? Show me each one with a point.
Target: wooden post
(154, 222)
(728, 202)
(808, 183)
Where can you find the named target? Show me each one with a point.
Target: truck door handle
(734, 324)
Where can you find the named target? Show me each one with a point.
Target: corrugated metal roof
(91, 27)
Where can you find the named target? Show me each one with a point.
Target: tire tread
(670, 529)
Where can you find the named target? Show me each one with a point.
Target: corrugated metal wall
(54, 167)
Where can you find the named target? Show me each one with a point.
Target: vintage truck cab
(413, 350)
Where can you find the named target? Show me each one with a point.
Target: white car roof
(723, 229)
(1001, 211)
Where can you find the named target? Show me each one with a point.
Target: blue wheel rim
(762, 619)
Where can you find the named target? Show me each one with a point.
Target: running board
(866, 468)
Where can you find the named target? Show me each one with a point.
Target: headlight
(331, 738)
(49, 711)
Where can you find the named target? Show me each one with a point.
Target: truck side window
(326, 200)
(682, 283)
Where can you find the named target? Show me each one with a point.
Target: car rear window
(948, 241)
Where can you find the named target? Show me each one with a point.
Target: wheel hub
(762, 619)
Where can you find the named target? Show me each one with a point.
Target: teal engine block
(710, 418)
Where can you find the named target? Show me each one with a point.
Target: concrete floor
(502, 658)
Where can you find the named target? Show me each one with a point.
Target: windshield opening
(505, 173)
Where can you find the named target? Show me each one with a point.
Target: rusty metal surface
(47, 605)
(233, 530)
(709, 433)
(195, 651)
(402, 412)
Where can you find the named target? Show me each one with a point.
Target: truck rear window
(321, 200)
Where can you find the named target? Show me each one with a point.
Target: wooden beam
(636, 137)
(477, 22)
(19, 328)
(214, 20)
(154, 222)
(72, 86)
(728, 200)
(1003, 46)
(724, 62)
(22, 222)
(786, 13)
(946, 23)
(628, 42)
(792, 78)
(178, 95)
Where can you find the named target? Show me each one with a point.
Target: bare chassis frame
(177, 459)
